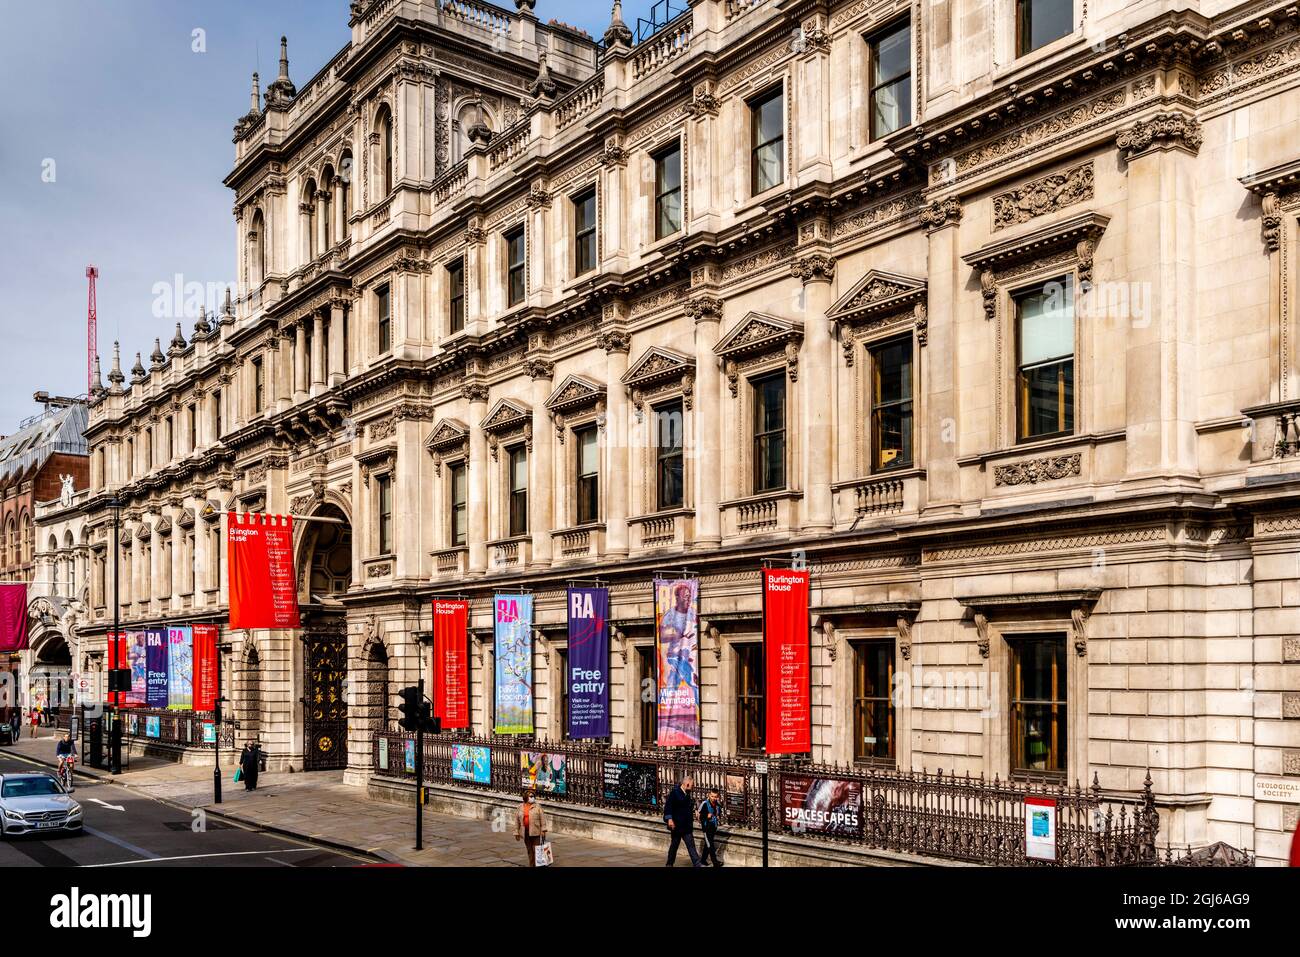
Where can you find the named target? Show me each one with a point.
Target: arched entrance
(50, 678)
(327, 574)
(249, 697)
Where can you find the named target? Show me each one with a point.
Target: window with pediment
(577, 406)
(509, 428)
(448, 445)
(661, 385)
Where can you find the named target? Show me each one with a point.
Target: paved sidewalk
(320, 807)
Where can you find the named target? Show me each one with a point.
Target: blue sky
(115, 135)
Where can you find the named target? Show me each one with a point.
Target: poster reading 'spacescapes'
(513, 616)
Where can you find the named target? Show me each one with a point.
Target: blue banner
(588, 663)
(180, 668)
(157, 669)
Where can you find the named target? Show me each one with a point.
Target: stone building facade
(985, 313)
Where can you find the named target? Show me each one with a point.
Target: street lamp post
(114, 728)
(216, 728)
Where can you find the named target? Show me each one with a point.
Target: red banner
(13, 617)
(205, 667)
(115, 642)
(263, 588)
(450, 666)
(787, 674)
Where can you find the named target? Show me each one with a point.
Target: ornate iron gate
(325, 710)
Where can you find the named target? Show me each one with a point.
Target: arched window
(384, 151)
(326, 219)
(257, 250)
(377, 687)
(11, 542)
(345, 189)
(308, 208)
(29, 538)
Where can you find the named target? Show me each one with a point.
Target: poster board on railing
(677, 653)
(548, 773)
(587, 674)
(1040, 829)
(630, 782)
(471, 762)
(449, 667)
(812, 805)
(513, 633)
(787, 668)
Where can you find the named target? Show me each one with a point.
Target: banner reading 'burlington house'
(451, 663)
(677, 655)
(588, 663)
(787, 678)
(513, 632)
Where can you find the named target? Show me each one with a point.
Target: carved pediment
(505, 415)
(447, 435)
(211, 511)
(656, 365)
(575, 392)
(1082, 231)
(185, 519)
(876, 294)
(758, 333)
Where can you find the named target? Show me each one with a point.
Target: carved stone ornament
(1033, 471)
(941, 213)
(1164, 131)
(575, 392)
(704, 308)
(815, 268)
(1046, 194)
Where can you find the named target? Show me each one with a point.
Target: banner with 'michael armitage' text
(263, 588)
(588, 663)
(450, 669)
(787, 673)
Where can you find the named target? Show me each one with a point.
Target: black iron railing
(933, 814)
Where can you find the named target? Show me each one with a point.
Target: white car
(36, 803)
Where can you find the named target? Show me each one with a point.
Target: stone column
(477, 479)
(300, 361)
(284, 370)
(336, 373)
(317, 353)
(616, 344)
(541, 495)
(707, 421)
(938, 372)
(816, 372)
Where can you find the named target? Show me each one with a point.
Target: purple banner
(157, 671)
(588, 663)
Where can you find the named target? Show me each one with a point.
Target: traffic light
(428, 723)
(411, 708)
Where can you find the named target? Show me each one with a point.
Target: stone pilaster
(817, 358)
(707, 420)
(616, 344)
(477, 506)
(541, 496)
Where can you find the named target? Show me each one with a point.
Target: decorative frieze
(1033, 471)
(1044, 195)
(1164, 131)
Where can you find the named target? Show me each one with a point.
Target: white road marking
(195, 857)
(111, 807)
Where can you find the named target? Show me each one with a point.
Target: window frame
(877, 406)
(586, 480)
(749, 716)
(1022, 14)
(384, 527)
(516, 497)
(755, 104)
(583, 234)
(658, 157)
(259, 386)
(456, 295)
(457, 511)
(647, 711)
(676, 453)
(512, 267)
(857, 716)
(1016, 742)
(873, 40)
(1067, 412)
(383, 320)
(761, 437)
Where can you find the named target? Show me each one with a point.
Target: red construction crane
(91, 336)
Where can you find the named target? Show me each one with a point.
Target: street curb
(377, 854)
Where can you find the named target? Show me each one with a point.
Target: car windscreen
(30, 787)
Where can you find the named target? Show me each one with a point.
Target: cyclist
(66, 752)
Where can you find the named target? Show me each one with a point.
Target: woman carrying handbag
(530, 827)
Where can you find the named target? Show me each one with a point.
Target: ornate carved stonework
(814, 268)
(704, 308)
(1047, 194)
(1163, 131)
(941, 213)
(614, 340)
(1033, 471)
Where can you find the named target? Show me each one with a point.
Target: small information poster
(1040, 829)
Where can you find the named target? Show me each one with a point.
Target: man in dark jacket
(710, 818)
(679, 815)
(250, 762)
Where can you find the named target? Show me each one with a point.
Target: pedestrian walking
(16, 722)
(530, 825)
(679, 815)
(250, 762)
(36, 720)
(710, 819)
